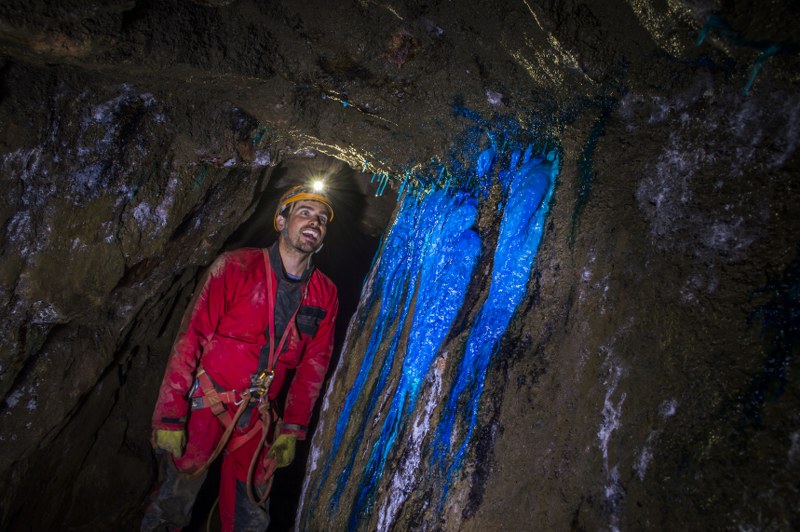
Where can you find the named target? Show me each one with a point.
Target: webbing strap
(274, 352)
(226, 436)
(215, 403)
(268, 418)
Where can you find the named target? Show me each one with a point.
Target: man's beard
(299, 243)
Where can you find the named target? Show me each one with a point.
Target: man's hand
(172, 441)
(283, 449)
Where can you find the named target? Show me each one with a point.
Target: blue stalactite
(419, 282)
(390, 281)
(528, 189)
(431, 244)
(449, 249)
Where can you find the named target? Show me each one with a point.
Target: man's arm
(310, 374)
(197, 328)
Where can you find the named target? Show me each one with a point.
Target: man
(258, 314)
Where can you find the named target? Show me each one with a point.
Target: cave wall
(644, 380)
(109, 212)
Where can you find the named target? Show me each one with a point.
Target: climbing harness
(257, 394)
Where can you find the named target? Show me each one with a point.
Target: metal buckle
(260, 382)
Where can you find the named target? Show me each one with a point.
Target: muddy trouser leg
(235, 509)
(236, 512)
(249, 517)
(172, 504)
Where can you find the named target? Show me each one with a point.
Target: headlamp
(314, 191)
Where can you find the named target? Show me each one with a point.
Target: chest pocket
(308, 319)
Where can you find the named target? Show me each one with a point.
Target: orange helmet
(300, 193)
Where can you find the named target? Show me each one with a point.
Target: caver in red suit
(226, 334)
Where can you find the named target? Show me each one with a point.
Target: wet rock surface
(646, 379)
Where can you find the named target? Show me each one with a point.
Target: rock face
(600, 333)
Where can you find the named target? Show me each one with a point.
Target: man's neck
(294, 262)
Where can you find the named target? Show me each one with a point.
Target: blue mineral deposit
(449, 249)
(415, 293)
(430, 245)
(586, 165)
(528, 190)
(767, 48)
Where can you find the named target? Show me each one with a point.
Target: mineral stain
(417, 289)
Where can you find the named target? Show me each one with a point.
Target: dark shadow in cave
(350, 246)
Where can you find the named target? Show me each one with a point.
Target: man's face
(304, 227)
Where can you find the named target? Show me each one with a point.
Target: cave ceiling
(375, 84)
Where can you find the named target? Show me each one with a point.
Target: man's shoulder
(323, 280)
(245, 254)
(242, 259)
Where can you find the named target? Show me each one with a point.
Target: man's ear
(280, 222)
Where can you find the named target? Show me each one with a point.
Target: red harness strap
(213, 399)
(274, 352)
(217, 401)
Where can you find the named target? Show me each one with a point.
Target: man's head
(302, 218)
(298, 193)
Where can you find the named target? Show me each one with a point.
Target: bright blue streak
(528, 189)
(420, 236)
(427, 260)
(484, 162)
(449, 250)
(388, 290)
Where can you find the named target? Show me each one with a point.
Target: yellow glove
(171, 441)
(283, 449)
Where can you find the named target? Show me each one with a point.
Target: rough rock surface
(646, 380)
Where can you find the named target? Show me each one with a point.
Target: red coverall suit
(224, 331)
